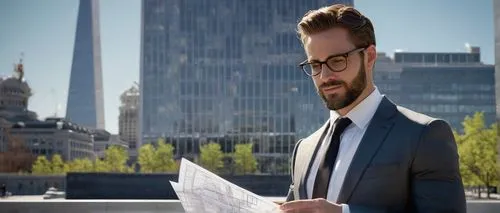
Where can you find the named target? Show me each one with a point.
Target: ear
(371, 53)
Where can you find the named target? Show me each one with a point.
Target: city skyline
(46, 38)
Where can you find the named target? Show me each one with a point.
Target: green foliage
(211, 157)
(164, 157)
(100, 166)
(41, 165)
(115, 159)
(57, 165)
(145, 158)
(80, 165)
(477, 148)
(157, 159)
(244, 161)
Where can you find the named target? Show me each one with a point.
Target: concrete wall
(32, 185)
(156, 186)
(130, 186)
(119, 186)
(164, 206)
(483, 206)
(90, 206)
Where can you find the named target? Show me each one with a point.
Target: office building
(226, 71)
(128, 118)
(85, 104)
(55, 136)
(496, 21)
(444, 85)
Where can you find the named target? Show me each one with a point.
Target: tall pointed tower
(85, 96)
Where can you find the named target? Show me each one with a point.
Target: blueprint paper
(200, 190)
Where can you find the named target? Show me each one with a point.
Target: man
(371, 155)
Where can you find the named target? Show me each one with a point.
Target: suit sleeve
(290, 196)
(436, 184)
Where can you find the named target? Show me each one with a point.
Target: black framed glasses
(335, 63)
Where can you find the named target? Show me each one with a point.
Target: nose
(326, 73)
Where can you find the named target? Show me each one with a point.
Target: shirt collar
(362, 113)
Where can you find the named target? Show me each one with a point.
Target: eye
(336, 60)
(315, 65)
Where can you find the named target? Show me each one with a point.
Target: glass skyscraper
(226, 71)
(496, 16)
(85, 105)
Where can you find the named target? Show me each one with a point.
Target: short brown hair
(360, 28)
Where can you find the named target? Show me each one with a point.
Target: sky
(44, 32)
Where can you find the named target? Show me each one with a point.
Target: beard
(353, 91)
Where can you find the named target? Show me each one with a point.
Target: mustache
(331, 83)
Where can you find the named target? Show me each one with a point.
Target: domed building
(48, 137)
(14, 96)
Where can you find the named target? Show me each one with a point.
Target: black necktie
(321, 183)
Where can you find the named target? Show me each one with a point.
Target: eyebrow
(329, 57)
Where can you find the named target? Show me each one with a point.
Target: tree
(164, 157)
(244, 160)
(157, 159)
(100, 166)
(57, 165)
(469, 179)
(146, 158)
(115, 159)
(41, 165)
(17, 157)
(478, 153)
(80, 165)
(211, 157)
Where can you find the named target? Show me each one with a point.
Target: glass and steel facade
(85, 105)
(226, 71)
(448, 89)
(438, 58)
(496, 16)
(451, 93)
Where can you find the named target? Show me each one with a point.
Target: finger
(299, 211)
(298, 205)
(279, 202)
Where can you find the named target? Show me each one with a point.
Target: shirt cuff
(345, 208)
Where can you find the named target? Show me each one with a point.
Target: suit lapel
(305, 155)
(374, 136)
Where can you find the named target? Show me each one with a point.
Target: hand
(319, 205)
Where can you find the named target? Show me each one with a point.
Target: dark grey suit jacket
(406, 162)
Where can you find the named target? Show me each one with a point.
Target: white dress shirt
(360, 116)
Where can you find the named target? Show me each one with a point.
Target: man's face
(337, 89)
